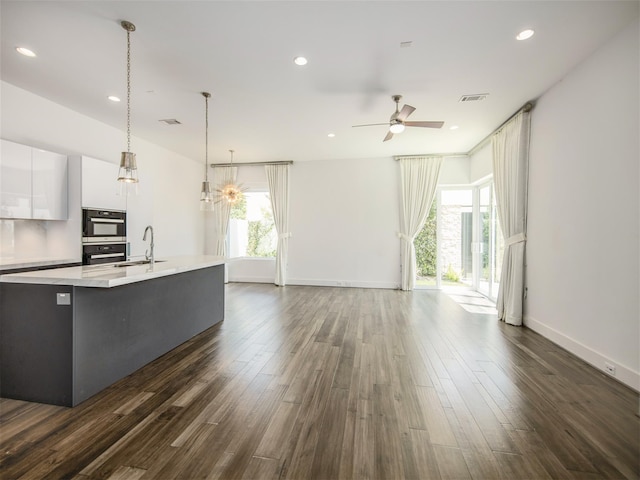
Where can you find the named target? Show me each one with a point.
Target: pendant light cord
(206, 138)
(128, 90)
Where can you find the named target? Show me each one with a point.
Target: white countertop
(15, 263)
(107, 275)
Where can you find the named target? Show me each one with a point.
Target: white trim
(319, 283)
(342, 283)
(251, 279)
(624, 374)
(237, 259)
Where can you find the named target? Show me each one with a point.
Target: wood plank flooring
(328, 383)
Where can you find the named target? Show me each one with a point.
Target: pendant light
(231, 192)
(128, 169)
(206, 195)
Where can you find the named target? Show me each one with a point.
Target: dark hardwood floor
(327, 383)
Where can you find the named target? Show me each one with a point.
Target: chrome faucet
(149, 253)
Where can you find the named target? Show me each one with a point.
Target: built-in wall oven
(104, 236)
(95, 253)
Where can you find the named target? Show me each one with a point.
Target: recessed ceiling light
(331, 135)
(25, 51)
(300, 61)
(523, 35)
(113, 98)
(453, 127)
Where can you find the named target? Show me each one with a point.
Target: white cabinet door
(100, 185)
(15, 180)
(49, 181)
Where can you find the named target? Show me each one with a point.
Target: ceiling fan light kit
(398, 120)
(396, 128)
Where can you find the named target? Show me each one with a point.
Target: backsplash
(28, 239)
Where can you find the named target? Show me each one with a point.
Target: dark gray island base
(63, 354)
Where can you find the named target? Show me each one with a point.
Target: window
(252, 232)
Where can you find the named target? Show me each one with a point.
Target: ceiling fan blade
(370, 125)
(405, 112)
(388, 137)
(424, 124)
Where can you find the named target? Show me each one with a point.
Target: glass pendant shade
(206, 197)
(128, 168)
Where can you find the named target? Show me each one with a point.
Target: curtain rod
(246, 164)
(525, 108)
(455, 154)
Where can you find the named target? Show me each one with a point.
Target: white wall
(481, 164)
(169, 183)
(344, 218)
(344, 221)
(455, 171)
(583, 223)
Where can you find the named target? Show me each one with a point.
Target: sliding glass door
(455, 235)
(461, 243)
(444, 246)
(491, 243)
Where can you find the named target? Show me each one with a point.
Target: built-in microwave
(100, 226)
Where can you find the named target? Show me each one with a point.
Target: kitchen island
(68, 333)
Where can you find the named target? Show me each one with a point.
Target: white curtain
(278, 178)
(222, 176)
(510, 177)
(419, 179)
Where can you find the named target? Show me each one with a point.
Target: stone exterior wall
(450, 237)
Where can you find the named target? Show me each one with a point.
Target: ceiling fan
(398, 120)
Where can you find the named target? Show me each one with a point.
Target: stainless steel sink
(135, 263)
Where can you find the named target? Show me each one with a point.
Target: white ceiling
(267, 108)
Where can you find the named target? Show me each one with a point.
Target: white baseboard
(251, 279)
(318, 283)
(341, 283)
(623, 374)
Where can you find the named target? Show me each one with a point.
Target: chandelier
(230, 192)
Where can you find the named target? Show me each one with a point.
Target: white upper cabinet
(33, 183)
(49, 180)
(15, 180)
(100, 185)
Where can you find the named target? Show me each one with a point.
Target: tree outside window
(252, 231)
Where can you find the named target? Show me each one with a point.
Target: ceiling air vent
(171, 121)
(474, 98)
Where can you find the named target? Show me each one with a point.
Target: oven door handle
(106, 220)
(107, 255)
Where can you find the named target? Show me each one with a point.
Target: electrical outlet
(610, 369)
